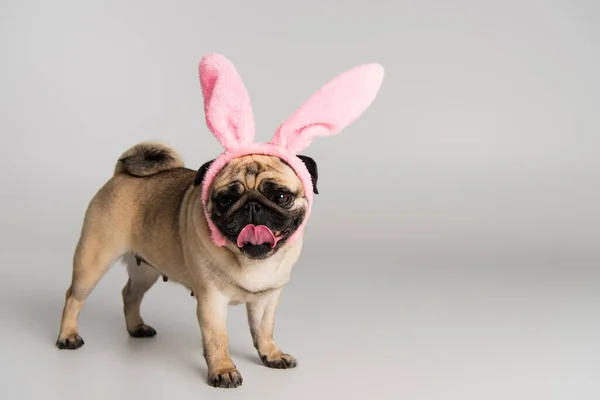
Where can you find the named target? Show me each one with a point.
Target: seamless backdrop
(452, 253)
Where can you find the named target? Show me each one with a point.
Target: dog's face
(257, 202)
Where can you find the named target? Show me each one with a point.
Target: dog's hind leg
(96, 252)
(141, 278)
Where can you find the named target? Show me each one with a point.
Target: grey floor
(391, 326)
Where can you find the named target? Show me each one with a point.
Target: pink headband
(229, 117)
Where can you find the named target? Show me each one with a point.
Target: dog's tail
(148, 158)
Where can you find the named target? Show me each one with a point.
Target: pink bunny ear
(226, 103)
(335, 106)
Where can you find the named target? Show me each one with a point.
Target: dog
(230, 232)
(150, 213)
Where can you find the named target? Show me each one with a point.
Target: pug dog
(230, 232)
(150, 212)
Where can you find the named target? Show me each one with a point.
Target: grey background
(452, 254)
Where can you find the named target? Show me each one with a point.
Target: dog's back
(137, 211)
(152, 179)
(146, 193)
(147, 186)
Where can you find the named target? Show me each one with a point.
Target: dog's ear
(311, 165)
(201, 172)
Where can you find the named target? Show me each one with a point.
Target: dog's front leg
(212, 316)
(261, 317)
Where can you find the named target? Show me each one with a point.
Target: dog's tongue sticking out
(256, 235)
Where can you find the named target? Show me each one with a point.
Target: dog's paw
(279, 361)
(142, 331)
(71, 342)
(225, 378)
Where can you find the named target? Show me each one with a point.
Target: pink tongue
(256, 235)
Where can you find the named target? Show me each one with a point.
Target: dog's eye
(282, 198)
(225, 201)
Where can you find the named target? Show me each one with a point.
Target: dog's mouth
(259, 241)
(260, 235)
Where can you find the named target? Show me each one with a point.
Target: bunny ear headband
(229, 117)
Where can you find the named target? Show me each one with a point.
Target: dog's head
(257, 202)
(258, 195)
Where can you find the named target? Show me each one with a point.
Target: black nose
(252, 206)
(254, 209)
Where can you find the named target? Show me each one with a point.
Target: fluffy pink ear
(335, 106)
(226, 103)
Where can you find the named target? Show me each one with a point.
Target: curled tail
(148, 158)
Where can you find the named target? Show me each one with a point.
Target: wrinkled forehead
(252, 170)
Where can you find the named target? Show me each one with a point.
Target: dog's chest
(257, 279)
(265, 275)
